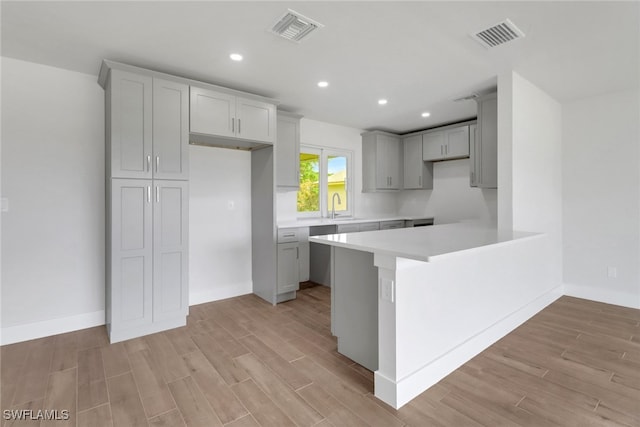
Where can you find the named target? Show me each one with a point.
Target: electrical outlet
(231, 205)
(612, 272)
(386, 289)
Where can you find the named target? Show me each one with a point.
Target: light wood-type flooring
(241, 362)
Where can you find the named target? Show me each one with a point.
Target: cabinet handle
(157, 163)
(446, 149)
(149, 163)
(239, 126)
(390, 181)
(441, 150)
(233, 125)
(148, 194)
(297, 252)
(157, 194)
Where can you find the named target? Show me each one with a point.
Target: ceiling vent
(499, 34)
(466, 98)
(295, 27)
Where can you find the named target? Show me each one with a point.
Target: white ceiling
(416, 54)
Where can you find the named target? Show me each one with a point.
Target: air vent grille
(499, 34)
(294, 26)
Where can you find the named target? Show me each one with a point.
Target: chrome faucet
(333, 204)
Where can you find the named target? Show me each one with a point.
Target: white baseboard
(45, 328)
(409, 387)
(606, 296)
(220, 292)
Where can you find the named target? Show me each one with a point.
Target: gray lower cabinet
(288, 271)
(147, 264)
(388, 225)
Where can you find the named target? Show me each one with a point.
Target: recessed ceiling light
(426, 114)
(382, 101)
(323, 84)
(236, 57)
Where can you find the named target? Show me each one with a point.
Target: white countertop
(423, 243)
(311, 222)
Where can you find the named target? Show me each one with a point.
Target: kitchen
(220, 187)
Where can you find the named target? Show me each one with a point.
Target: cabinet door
(212, 113)
(394, 163)
(129, 135)
(170, 247)
(347, 228)
(369, 226)
(387, 162)
(413, 162)
(170, 130)
(433, 146)
(131, 253)
(457, 142)
(288, 152)
(474, 159)
(256, 120)
(288, 267)
(487, 134)
(388, 225)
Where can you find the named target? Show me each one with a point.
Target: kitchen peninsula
(414, 304)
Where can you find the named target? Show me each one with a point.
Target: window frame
(324, 154)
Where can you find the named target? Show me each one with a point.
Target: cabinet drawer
(387, 225)
(286, 235)
(370, 226)
(347, 228)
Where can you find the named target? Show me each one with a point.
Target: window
(323, 174)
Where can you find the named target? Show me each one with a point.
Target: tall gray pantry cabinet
(147, 137)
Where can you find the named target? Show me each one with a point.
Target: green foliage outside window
(309, 193)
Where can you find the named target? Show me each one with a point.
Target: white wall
(53, 177)
(219, 223)
(452, 199)
(534, 196)
(601, 198)
(313, 132)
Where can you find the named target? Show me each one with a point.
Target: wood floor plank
(34, 377)
(274, 341)
(154, 393)
(135, 344)
(294, 378)
(181, 341)
(61, 396)
(263, 409)
(225, 340)
(214, 388)
(246, 421)
(126, 406)
(329, 407)
(297, 409)
(13, 359)
(65, 352)
(169, 419)
(92, 387)
(192, 404)
(336, 366)
(100, 416)
(227, 367)
(22, 419)
(92, 337)
(359, 404)
(115, 360)
(166, 359)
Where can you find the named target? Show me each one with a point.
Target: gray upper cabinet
(170, 130)
(418, 174)
(287, 150)
(446, 144)
(226, 115)
(129, 112)
(485, 153)
(147, 129)
(381, 161)
(170, 249)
